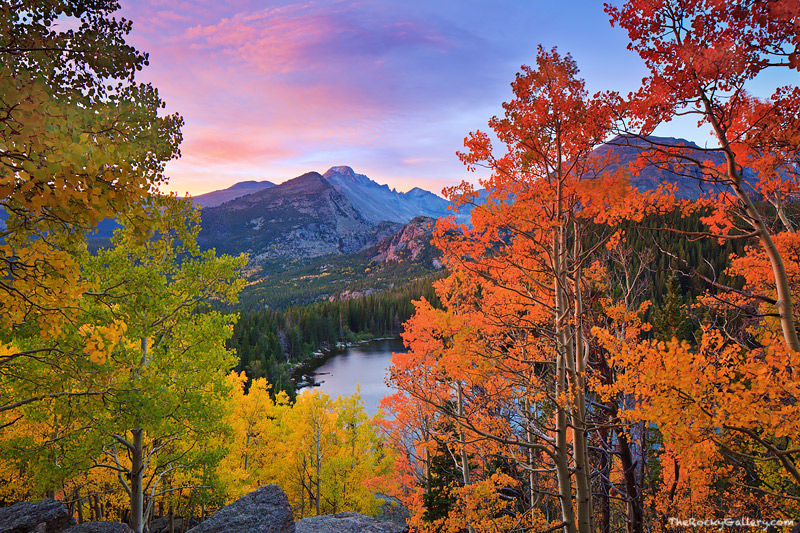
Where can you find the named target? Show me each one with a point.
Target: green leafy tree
(144, 360)
(80, 141)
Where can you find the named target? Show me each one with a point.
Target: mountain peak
(341, 170)
(313, 176)
(250, 184)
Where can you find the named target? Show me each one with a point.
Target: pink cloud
(216, 147)
(298, 37)
(271, 92)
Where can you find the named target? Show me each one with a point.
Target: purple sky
(270, 90)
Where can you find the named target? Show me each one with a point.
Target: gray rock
(100, 527)
(266, 510)
(161, 525)
(47, 516)
(348, 523)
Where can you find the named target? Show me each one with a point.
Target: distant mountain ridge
(342, 211)
(690, 181)
(338, 212)
(302, 217)
(243, 188)
(378, 202)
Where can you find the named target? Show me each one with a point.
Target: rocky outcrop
(266, 510)
(100, 527)
(348, 523)
(48, 516)
(411, 243)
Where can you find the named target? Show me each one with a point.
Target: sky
(271, 90)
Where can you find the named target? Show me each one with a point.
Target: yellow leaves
(316, 440)
(7, 349)
(100, 341)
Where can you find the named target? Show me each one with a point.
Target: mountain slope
(690, 180)
(302, 217)
(342, 212)
(405, 256)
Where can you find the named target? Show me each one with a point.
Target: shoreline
(302, 373)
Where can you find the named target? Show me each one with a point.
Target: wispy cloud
(274, 88)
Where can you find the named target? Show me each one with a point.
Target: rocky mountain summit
(378, 202)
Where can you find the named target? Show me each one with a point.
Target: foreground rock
(161, 525)
(48, 516)
(264, 511)
(100, 527)
(348, 523)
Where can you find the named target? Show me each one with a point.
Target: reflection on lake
(366, 366)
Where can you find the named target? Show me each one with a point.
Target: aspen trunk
(137, 472)
(319, 473)
(580, 448)
(634, 523)
(529, 439)
(561, 391)
(465, 474)
(605, 466)
(562, 460)
(79, 506)
(302, 498)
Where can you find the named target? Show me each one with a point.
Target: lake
(364, 365)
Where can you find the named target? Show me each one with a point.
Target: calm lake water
(366, 366)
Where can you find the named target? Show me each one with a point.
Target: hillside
(395, 261)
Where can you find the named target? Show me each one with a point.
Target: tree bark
(605, 466)
(465, 474)
(577, 358)
(561, 390)
(319, 470)
(137, 472)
